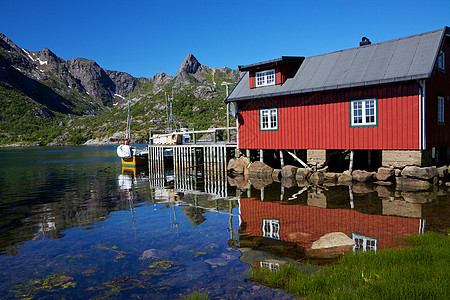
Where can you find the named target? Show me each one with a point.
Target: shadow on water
(76, 218)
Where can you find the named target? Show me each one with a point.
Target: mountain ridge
(81, 87)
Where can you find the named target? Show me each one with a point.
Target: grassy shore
(421, 271)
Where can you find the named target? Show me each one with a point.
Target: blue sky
(146, 37)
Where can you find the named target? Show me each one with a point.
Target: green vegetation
(417, 272)
(196, 296)
(24, 121)
(52, 283)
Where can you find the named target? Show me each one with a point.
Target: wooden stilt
(350, 167)
(281, 158)
(298, 159)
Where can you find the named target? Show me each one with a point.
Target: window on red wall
(441, 61)
(265, 78)
(363, 112)
(440, 110)
(268, 119)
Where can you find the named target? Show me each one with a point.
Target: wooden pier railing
(188, 159)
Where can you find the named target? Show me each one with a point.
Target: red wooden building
(391, 97)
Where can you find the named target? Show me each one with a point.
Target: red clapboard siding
(322, 120)
(278, 75)
(252, 80)
(438, 135)
(306, 224)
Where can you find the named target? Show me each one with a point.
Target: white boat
(130, 155)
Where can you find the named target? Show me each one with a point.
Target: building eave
(330, 88)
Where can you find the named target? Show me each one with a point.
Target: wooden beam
(298, 159)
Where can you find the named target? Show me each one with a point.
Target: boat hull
(135, 160)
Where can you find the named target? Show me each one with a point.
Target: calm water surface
(74, 224)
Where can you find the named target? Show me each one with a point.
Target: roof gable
(403, 59)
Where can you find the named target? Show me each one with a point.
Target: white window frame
(271, 228)
(441, 110)
(441, 61)
(268, 119)
(363, 109)
(265, 78)
(364, 243)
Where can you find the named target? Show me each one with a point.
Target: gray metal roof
(409, 58)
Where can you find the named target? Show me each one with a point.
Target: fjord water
(74, 224)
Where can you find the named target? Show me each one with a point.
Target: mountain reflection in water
(117, 232)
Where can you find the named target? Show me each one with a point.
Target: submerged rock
(153, 254)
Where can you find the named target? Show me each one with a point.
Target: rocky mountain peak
(189, 71)
(46, 55)
(190, 65)
(6, 43)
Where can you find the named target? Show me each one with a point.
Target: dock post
(175, 161)
(261, 155)
(194, 157)
(248, 156)
(204, 161)
(161, 149)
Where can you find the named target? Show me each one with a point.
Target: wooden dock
(206, 157)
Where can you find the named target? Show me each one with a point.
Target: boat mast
(128, 131)
(167, 112)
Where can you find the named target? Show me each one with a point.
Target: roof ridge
(383, 42)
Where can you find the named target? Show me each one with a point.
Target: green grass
(417, 272)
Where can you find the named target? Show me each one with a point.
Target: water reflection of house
(306, 224)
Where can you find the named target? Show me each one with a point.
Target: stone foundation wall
(316, 156)
(402, 158)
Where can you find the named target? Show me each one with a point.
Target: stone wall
(402, 158)
(316, 156)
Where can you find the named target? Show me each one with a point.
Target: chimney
(364, 41)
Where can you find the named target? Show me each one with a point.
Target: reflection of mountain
(64, 189)
(194, 214)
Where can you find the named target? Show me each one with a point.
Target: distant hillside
(46, 100)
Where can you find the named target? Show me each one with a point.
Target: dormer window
(272, 72)
(265, 78)
(441, 61)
